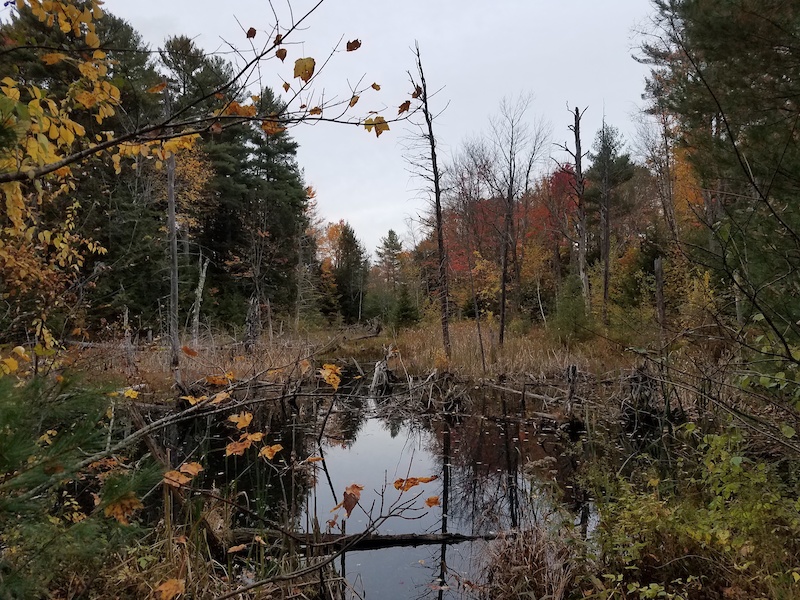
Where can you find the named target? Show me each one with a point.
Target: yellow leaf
(255, 437)
(331, 375)
(176, 478)
(53, 58)
(269, 452)
(92, 40)
(171, 589)
(242, 420)
(130, 393)
(376, 87)
(353, 101)
(192, 400)
(192, 468)
(122, 508)
(20, 351)
(157, 88)
(304, 68)
(281, 53)
(12, 364)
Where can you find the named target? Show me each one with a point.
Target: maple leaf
(331, 374)
(255, 437)
(352, 494)
(192, 400)
(176, 479)
(269, 452)
(353, 45)
(157, 88)
(353, 101)
(251, 33)
(241, 420)
(238, 448)
(432, 501)
(376, 87)
(192, 468)
(404, 107)
(272, 127)
(122, 508)
(304, 68)
(281, 53)
(189, 351)
(407, 484)
(379, 123)
(171, 589)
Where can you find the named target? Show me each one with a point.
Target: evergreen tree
(350, 272)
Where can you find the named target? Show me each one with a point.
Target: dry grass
(534, 353)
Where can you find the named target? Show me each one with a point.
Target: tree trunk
(198, 299)
(437, 199)
(583, 236)
(174, 335)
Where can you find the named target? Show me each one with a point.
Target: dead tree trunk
(422, 94)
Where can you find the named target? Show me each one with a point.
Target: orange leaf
(269, 452)
(192, 468)
(352, 494)
(353, 45)
(216, 128)
(376, 87)
(272, 127)
(404, 107)
(122, 508)
(281, 53)
(238, 548)
(189, 351)
(407, 484)
(417, 92)
(286, 86)
(157, 88)
(255, 437)
(304, 68)
(171, 589)
(331, 375)
(237, 448)
(192, 400)
(313, 459)
(251, 33)
(432, 501)
(241, 420)
(315, 111)
(216, 380)
(176, 478)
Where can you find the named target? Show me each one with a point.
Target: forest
(577, 376)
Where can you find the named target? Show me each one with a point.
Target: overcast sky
(565, 52)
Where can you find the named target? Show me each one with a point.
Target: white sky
(563, 51)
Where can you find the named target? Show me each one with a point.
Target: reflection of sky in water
(481, 493)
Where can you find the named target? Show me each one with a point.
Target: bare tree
(516, 147)
(425, 164)
(579, 189)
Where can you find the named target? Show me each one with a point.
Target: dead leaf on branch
(376, 87)
(251, 33)
(304, 68)
(176, 479)
(286, 86)
(352, 494)
(378, 123)
(315, 111)
(404, 107)
(272, 127)
(242, 420)
(281, 53)
(417, 92)
(269, 452)
(353, 101)
(353, 45)
(432, 501)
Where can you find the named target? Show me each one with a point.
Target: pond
(490, 464)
